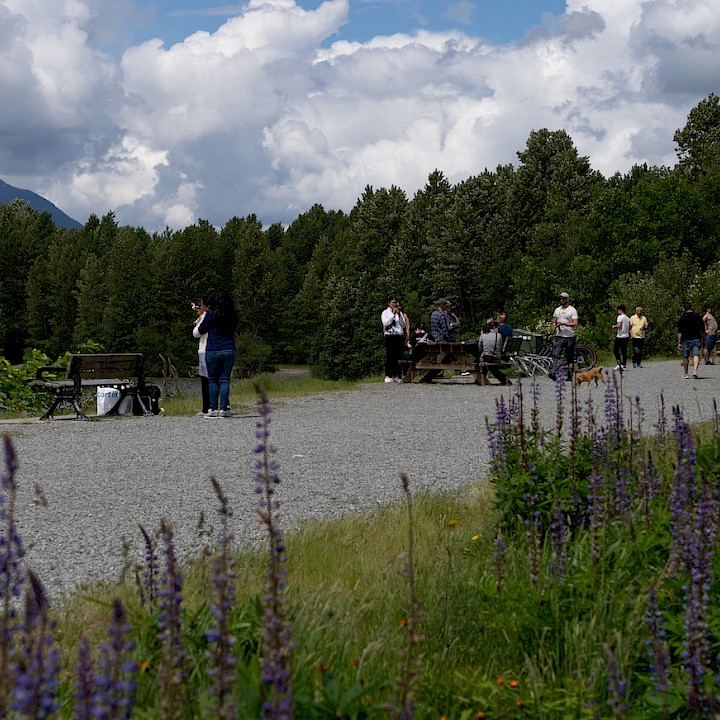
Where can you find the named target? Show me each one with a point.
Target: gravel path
(338, 452)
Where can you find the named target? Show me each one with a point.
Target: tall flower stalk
(277, 652)
(12, 576)
(172, 663)
(402, 706)
(37, 663)
(220, 640)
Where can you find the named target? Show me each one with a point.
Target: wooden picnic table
(455, 356)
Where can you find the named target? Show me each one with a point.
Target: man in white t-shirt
(622, 338)
(565, 320)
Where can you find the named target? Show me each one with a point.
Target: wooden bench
(455, 356)
(123, 371)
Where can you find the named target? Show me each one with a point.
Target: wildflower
(657, 646)
(475, 537)
(355, 662)
(480, 715)
(500, 681)
(144, 666)
(519, 703)
(403, 622)
(220, 640)
(38, 662)
(558, 543)
(514, 684)
(617, 685)
(114, 685)
(452, 523)
(324, 667)
(277, 644)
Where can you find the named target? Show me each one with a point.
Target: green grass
(242, 392)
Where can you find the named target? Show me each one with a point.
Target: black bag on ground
(150, 396)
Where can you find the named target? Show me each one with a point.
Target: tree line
(508, 239)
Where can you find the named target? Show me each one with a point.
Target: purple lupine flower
(658, 652)
(701, 538)
(114, 693)
(84, 682)
(532, 532)
(12, 576)
(220, 640)
(497, 437)
(37, 663)
(614, 412)
(661, 424)
(684, 489)
(617, 685)
(499, 552)
(558, 543)
(149, 585)
(622, 491)
(520, 421)
(596, 491)
(535, 412)
(170, 613)
(277, 646)
(559, 411)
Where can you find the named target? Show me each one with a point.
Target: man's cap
(564, 295)
(443, 301)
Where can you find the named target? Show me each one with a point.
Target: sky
(166, 112)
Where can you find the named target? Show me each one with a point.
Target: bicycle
(541, 363)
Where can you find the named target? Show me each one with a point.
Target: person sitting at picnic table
(490, 345)
(503, 328)
(419, 342)
(441, 331)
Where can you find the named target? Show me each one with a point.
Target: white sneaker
(465, 373)
(388, 379)
(686, 376)
(695, 375)
(397, 379)
(200, 414)
(618, 367)
(224, 413)
(213, 414)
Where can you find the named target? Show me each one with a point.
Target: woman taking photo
(219, 323)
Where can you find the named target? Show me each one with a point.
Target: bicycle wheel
(585, 358)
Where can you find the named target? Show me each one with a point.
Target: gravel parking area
(338, 453)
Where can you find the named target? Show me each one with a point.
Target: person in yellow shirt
(638, 326)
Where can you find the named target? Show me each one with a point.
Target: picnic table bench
(123, 371)
(461, 356)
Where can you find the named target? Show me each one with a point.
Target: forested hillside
(506, 239)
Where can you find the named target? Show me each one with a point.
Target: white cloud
(261, 117)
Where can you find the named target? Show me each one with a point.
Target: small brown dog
(595, 374)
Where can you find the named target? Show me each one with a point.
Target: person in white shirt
(622, 338)
(394, 323)
(565, 320)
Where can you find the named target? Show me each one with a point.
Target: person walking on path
(638, 326)
(565, 320)
(691, 333)
(622, 338)
(394, 332)
(711, 328)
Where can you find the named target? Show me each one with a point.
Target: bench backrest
(513, 345)
(106, 366)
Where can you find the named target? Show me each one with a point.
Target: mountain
(8, 193)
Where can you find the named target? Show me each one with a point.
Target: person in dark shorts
(691, 333)
(711, 328)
